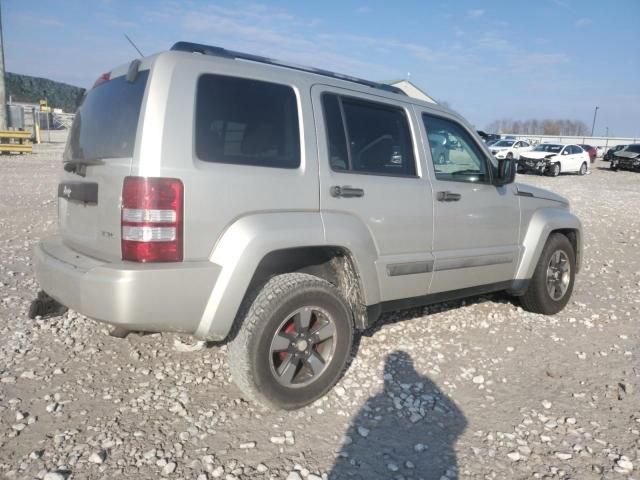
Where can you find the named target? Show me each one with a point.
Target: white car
(553, 159)
(509, 148)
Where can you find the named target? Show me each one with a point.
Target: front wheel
(554, 170)
(294, 342)
(552, 283)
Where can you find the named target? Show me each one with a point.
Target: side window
(246, 122)
(454, 154)
(367, 137)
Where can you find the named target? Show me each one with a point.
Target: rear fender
(248, 240)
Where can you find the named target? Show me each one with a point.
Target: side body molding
(248, 240)
(541, 224)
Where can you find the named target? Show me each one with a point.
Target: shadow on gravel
(417, 312)
(407, 431)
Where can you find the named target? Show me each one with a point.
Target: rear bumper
(149, 297)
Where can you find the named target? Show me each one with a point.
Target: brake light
(152, 219)
(104, 78)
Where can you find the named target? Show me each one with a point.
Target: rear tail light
(152, 219)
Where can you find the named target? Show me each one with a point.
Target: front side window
(367, 137)
(246, 122)
(454, 154)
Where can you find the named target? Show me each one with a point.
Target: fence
(593, 141)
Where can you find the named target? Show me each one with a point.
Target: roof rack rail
(222, 52)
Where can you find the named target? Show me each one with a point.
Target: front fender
(542, 223)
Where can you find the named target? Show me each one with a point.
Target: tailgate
(98, 156)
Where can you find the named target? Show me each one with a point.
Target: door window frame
(383, 103)
(429, 158)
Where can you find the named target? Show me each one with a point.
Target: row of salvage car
(553, 158)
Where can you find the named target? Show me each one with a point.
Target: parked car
(590, 150)
(509, 148)
(553, 159)
(627, 159)
(282, 209)
(599, 151)
(488, 137)
(609, 155)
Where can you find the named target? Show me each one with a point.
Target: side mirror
(506, 172)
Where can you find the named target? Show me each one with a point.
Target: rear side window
(106, 123)
(246, 122)
(367, 137)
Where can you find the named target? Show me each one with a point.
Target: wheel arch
(257, 247)
(543, 223)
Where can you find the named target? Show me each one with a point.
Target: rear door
(371, 175)
(97, 157)
(476, 223)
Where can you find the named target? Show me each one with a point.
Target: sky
(487, 59)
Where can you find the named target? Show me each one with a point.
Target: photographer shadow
(407, 431)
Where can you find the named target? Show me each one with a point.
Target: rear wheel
(583, 169)
(552, 283)
(293, 343)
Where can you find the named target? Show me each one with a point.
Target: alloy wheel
(558, 275)
(302, 347)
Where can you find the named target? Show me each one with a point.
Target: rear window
(106, 123)
(246, 122)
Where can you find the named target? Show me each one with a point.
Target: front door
(476, 223)
(373, 186)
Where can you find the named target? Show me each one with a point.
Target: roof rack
(221, 52)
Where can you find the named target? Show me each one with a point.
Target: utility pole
(3, 98)
(595, 114)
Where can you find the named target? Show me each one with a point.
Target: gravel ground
(475, 389)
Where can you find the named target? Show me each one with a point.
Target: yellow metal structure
(17, 141)
(44, 106)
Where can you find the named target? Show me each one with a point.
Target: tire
(256, 355)
(613, 166)
(583, 169)
(555, 170)
(537, 298)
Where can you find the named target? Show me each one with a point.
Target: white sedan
(553, 159)
(509, 148)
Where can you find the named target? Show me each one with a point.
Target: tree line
(539, 127)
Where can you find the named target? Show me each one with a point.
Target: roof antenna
(133, 45)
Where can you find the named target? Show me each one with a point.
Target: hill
(24, 88)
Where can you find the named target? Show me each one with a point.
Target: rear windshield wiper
(79, 166)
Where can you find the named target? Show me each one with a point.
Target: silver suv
(284, 208)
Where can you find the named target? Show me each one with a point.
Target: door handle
(346, 191)
(448, 196)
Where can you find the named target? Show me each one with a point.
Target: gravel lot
(475, 389)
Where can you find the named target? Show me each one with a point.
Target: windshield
(106, 123)
(633, 148)
(548, 147)
(504, 143)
